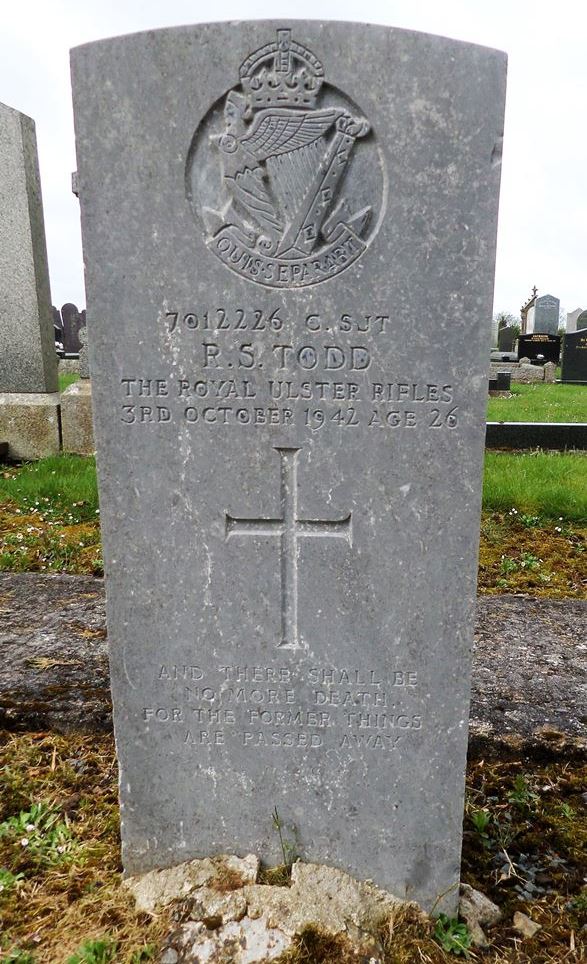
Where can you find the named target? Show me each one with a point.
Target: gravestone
(73, 321)
(285, 422)
(582, 321)
(57, 329)
(573, 318)
(574, 360)
(506, 338)
(539, 347)
(27, 349)
(29, 413)
(546, 315)
(77, 432)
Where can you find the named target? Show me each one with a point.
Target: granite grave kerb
(290, 603)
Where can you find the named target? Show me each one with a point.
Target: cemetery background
(534, 503)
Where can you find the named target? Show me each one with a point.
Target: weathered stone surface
(53, 653)
(77, 430)
(68, 366)
(529, 669)
(528, 374)
(263, 338)
(84, 361)
(28, 362)
(215, 877)
(254, 923)
(30, 424)
(477, 911)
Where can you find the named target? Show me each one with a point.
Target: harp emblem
(289, 210)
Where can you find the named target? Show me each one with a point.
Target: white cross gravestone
(290, 432)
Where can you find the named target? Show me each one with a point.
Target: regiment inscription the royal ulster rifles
(289, 234)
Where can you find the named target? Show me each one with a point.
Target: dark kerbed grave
(529, 668)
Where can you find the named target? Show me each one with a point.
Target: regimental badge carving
(284, 172)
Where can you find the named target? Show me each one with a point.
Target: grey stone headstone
(285, 423)
(506, 338)
(72, 322)
(546, 315)
(28, 362)
(573, 318)
(582, 321)
(84, 365)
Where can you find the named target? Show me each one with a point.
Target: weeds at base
(49, 911)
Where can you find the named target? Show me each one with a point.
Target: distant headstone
(72, 323)
(84, 365)
(572, 319)
(506, 338)
(285, 423)
(546, 315)
(539, 347)
(582, 321)
(574, 360)
(28, 363)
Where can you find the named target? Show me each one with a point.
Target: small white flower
(24, 842)
(29, 827)
(557, 529)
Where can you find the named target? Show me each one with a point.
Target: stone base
(30, 423)
(68, 366)
(77, 430)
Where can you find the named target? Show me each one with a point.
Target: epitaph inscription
(290, 432)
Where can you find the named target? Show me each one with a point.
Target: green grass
(66, 380)
(540, 403)
(63, 486)
(550, 484)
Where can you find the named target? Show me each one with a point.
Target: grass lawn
(550, 484)
(540, 403)
(66, 380)
(533, 531)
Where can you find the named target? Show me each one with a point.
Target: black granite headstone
(506, 338)
(72, 322)
(574, 361)
(540, 344)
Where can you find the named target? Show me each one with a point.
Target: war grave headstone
(29, 419)
(539, 348)
(284, 423)
(546, 315)
(574, 357)
(506, 338)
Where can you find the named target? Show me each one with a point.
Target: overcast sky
(542, 237)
